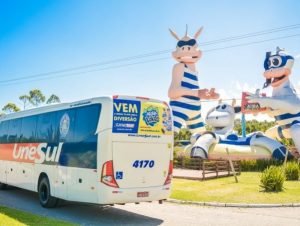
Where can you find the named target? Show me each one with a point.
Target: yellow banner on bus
(155, 118)
(141, 117)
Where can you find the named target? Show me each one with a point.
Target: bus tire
(3, 186)
(46, 200)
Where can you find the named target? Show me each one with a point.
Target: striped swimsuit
(187, 109)
(286, 120)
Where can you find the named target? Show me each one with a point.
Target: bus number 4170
(143, 163)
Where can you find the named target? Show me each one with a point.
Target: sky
(124, 47)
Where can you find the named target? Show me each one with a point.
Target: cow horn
(197, 34)
(233, 102)
(174, 34)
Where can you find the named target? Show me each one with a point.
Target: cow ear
(237, 109)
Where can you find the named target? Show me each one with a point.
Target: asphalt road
(152, 213)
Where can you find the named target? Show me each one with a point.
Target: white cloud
(228, 94)
(245, 87)
(238, 85)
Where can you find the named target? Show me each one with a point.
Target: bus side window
(14, 130)
(28, 131)
(82, 151)
(64, 125)
(4, 132)
(46, 128)
(86, 122)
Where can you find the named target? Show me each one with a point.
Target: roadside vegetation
(247, 190)
(261, 181)
(272, 179)
(13, 217)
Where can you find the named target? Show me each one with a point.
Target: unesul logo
(151, 116)
(37, 153)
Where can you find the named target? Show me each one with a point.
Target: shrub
(188, 163)
(272, 179)
(259, 164)
(292, 171)
(180, 152)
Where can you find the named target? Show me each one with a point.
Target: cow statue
(284, 104)
(213, 144)
(184, 91)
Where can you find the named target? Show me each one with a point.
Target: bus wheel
(3, 186)
(46, 200)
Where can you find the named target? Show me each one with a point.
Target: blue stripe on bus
(190, 76)
(180, 115)
(185, 106)
(189, 85)
(286, 116)
(195, 126)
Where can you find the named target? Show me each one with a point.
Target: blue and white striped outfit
(286, 120)
(187, 109)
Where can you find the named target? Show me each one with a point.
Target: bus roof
(62, 106)
(54, 107)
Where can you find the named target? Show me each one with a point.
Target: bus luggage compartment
(138, 165)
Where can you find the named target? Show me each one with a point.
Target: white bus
(106, 150)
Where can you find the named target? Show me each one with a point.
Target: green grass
(13, 217)
(227, 191)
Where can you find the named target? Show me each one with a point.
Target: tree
(25, 99)
(10, 107)
(184, 134)
(53, 99)
(253, 126)
(36, 97)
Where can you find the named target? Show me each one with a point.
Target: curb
(238, 205)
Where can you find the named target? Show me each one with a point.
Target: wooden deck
(197, 169)
(197, 174)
